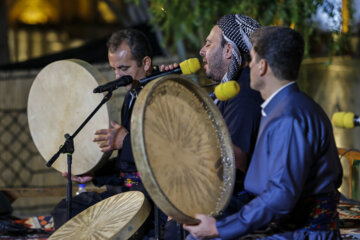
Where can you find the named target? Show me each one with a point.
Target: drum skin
(117, 217)
(182, 149)
(60, 99)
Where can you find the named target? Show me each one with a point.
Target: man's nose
(202, 52)
(117, 75)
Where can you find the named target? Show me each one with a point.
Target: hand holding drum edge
(112, 138)
(206, 227)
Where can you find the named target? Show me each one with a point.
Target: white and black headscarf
(237, 29)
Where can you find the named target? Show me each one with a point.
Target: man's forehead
(215, 33)
(122, 52)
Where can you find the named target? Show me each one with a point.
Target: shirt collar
(267, 101)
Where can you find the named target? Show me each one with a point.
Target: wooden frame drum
(182, 149)
(117, 217)
(60, 99)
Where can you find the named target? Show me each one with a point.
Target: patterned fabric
(37, 227)
(237, 29)
(313, 213)
(45, 223)
(130, 178)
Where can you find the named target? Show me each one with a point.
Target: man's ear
(146, 63)
(263, 67)
(228, 50)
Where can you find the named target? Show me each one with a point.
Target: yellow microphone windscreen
(338, 119)
(349, 120)
(190, 66)
(227, 90)
(343, 119)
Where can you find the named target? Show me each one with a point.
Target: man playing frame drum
(129, 53)
(295, 171)
(226, 57)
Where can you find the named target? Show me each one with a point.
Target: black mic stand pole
(69, 149)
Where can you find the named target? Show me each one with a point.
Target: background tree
(189, 21)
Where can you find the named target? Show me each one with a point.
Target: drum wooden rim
(142, 162)
(60, 99)
(116, 217)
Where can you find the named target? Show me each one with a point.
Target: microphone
(225, 91)
(110, 86)
(345, 120)
(186, 67)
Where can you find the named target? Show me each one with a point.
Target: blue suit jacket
(295, 156)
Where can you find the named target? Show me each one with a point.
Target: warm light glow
(56, 47)
(37, 47)
(52, 36)
(34, 12)
(345, 16)
(22, 42)
(106, 12)
(158, 7)
(85, 9)
(33, 16)
(278, 22)
(75, 43)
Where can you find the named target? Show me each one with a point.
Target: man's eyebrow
(121, 66)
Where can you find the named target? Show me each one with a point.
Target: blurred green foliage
(191, 20)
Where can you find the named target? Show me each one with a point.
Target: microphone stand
(68, 148)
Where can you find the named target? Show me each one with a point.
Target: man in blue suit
(295, 171)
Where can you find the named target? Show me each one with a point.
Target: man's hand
(205, 229)
(111, 139)
(81, 178)
(168, 67)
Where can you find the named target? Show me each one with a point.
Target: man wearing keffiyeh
(295, 171)
(226, 57)
(236, 30)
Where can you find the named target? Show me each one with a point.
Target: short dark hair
(282, 48)
(137, 41)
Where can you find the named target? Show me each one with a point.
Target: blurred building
(36, 28)
(35, 33)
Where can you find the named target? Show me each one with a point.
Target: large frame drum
(117, 217)
(60, 99)
(182, 149)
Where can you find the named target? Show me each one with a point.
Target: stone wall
(20, 162)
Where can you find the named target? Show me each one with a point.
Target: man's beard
(217, 68)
